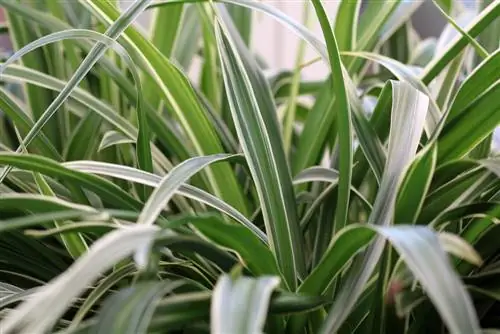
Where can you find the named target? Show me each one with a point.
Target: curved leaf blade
(254, 115)
(240, 306)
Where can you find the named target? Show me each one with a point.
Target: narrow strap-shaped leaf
(420, 248)
(186, 43)
(252, 251)
(112, 138)
(475, 44)
(404, 73)
(292, 102)
(344, 125)
(451, 193)
(414, 188)
(439, 62)
(139, 176)
(476, 83)
(194, 306)
(210, 73)
(39, 314)
(316, 129)
(130, 311)
(316, 173)
(40, 205)
(371, 23)
(84, 139)
(23, 123)
(22, 33)
(254, 115)
(370, 144)
(99, 290)
(346, 243)
(474, 124)
(242, 18)
(240, 305)
(346, 23)
(107, 190)
(14, 72)
(113, 32)
(164, 31)
(408, 114)
(172, 181)
(143, 139)
(179, 96)
(75, 243)
(164, 132)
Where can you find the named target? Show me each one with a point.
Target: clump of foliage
(134, 199)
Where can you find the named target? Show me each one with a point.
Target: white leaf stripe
(258, 131)
(172, 181)
(135, 175)
(240, 306)
(408, 113)
(39, 313)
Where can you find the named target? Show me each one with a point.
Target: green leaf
(112, 138)
(252, 252)
(344, 125)
(455, 245)
(291, 106)
(407, 121)
(98, 51)
(254, 115)
(100, 289)
(33, 315)
(97, 228)
(420, 248)
(74, 242)
(240, 305)
(477, 47)
(317, 128)
(38, 204)
(38, 99)
(415, 186)
(179, 96)
(108, 191)
(164, 31)
(83, 140)
(23, 123)
(130, 310)
(347, 242)
(478, 119)
(210, 73)
(479, 81)
(451, 193)
(178, 310)
(242, 18)
(105, 111)
(439, 62)
(186, 43)
(163, 130)
(170, 183)
(476, 210)
(136, 175)
(404, 73)
(370, 26)
(346, 23)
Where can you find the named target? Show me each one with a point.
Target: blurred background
(278, 46)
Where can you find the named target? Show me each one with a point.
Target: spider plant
(140, 194)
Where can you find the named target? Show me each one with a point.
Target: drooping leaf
(240, 305)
